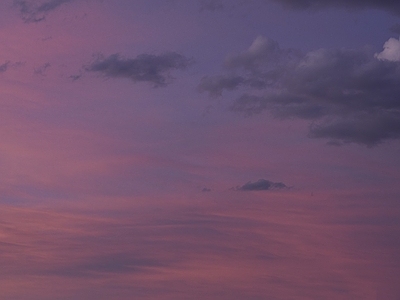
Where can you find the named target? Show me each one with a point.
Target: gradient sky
(199, 149)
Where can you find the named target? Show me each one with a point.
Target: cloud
(35, 11)
(4, 67)
(391, 50)
(261, 50)
(387, 5)
(390, 6)
(262, 54)
(348, 95)
(9, 65)
(216, 84)
(41, 70)
(364, 128)
(150, 68)
(261, 185)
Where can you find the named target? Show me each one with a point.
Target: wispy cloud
(150, 68)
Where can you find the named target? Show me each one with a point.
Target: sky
(199, 149)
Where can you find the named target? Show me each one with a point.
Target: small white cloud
(391, 50)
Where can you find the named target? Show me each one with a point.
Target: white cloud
(391, 50)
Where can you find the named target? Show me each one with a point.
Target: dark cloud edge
(261, 185)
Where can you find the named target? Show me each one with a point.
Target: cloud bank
(350, 96)
(386, 5)
(35, 11)
(150, 68)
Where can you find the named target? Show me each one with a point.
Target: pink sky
(123, 174)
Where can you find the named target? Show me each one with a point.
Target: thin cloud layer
(387, 5)
(150, 68)
(349, 95)
(262, 185)
(35, 11)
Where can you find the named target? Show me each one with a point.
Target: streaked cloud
(155, 253)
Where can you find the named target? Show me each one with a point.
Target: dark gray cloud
(36, 11)
(261, 185)
(391, 6)
(349, 95)
(150, 68)
(364, 128)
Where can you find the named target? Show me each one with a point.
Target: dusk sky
(200, 149)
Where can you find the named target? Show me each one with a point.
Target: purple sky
(199, 149)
